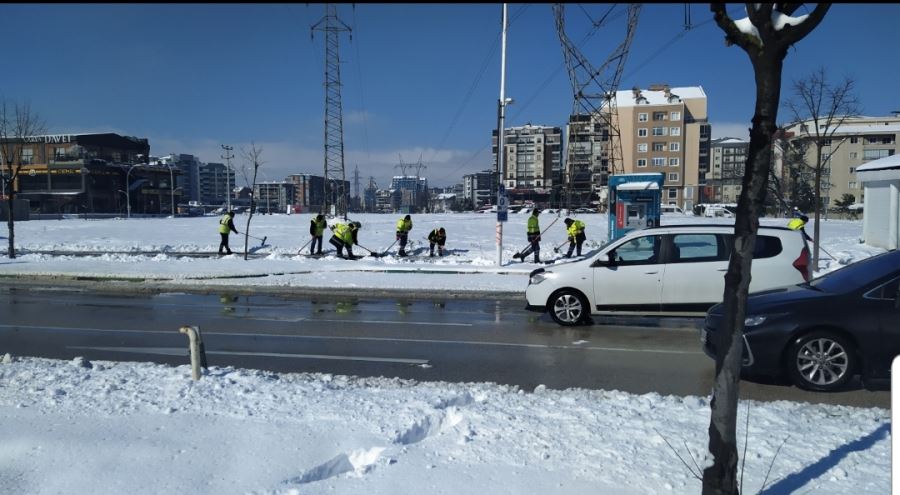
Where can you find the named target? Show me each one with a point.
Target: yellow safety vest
(223, 224)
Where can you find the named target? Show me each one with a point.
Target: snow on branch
(779, 21)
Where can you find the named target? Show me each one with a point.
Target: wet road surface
(439, 339)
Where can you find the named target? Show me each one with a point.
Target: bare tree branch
(16, 124)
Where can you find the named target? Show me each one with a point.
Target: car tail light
(802, 263)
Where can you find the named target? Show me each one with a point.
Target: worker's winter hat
(407, 217)
(568, 221)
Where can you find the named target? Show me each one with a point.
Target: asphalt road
(438, 339)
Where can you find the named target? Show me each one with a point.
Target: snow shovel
(262, 241)
(557, 248)
(383, 253)
(371, 253)
(300, 251)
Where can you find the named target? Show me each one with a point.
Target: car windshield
(856, 275)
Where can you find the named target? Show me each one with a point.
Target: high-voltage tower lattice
(593, 124)
(335, 200)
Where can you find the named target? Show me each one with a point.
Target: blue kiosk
(634, 201)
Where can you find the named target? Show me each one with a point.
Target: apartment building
(587, 166)
(273, 197)
(666, 130)
(213, 183)
(728, 157)
(480, 188)
(532, 163)
(90, 173)
(856, 141)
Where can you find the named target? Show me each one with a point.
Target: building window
(659, 115)
(673, 177)
(27, 156)
(852, 169)
(642, 117)
(854, 155)
(659, 161)
(659, 131)
(674, 162)
(675, 131)
(642, 132)
(875, 154)
(642, 147)
(642, 162)
(673, 193)
(659, 146)
(854, 140)
(827, 142)
(852, 184)
(675, 116)
(674, 146)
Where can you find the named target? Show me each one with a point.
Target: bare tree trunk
(721, 477)
(11, 224)
(818, 196)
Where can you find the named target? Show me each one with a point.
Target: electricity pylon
(335, 200)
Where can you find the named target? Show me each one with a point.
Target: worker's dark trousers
(312, 248)
(224, 244)
(340, 245)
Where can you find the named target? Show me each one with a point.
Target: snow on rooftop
(625, 98)
(887, 162)
(638, 186)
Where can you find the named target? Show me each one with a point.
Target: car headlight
(753, 321)
(757, 320)
(538, 277)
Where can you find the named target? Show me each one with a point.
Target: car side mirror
(608, 260)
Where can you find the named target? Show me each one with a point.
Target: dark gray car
(821, 333)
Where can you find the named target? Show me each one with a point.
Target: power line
(476, 81)
(362, 94)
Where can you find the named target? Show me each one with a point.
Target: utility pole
(335, 195)
(501, 145)
(356, 182)
(227, 157)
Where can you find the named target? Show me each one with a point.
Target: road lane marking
(376, 339)
(178, 351)
(387, 322)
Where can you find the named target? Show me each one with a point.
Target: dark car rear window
(857, 275)
(767, 246)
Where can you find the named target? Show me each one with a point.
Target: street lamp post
(128, 190)
(227, 156)
(171, 188)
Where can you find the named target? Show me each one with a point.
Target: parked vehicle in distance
(670, 209)
(677, 269)
(822, 333)
(717, 212)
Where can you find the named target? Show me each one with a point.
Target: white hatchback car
(664, 270)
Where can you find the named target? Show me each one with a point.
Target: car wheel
(568, 307)
(822, 361)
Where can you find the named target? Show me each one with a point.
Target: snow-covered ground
(111, 428)
(472, 263)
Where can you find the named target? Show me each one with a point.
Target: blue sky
(418, 79)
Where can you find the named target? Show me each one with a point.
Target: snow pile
(103, 427)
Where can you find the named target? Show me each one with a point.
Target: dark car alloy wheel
(821, 361)
(567, 307)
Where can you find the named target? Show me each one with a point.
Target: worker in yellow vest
(344, 237)
(533, 233)
(575, 230)
(404, 225)
(226, 226)
(316, 230)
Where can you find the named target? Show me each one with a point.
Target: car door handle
(651, 273)
(722, 269)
